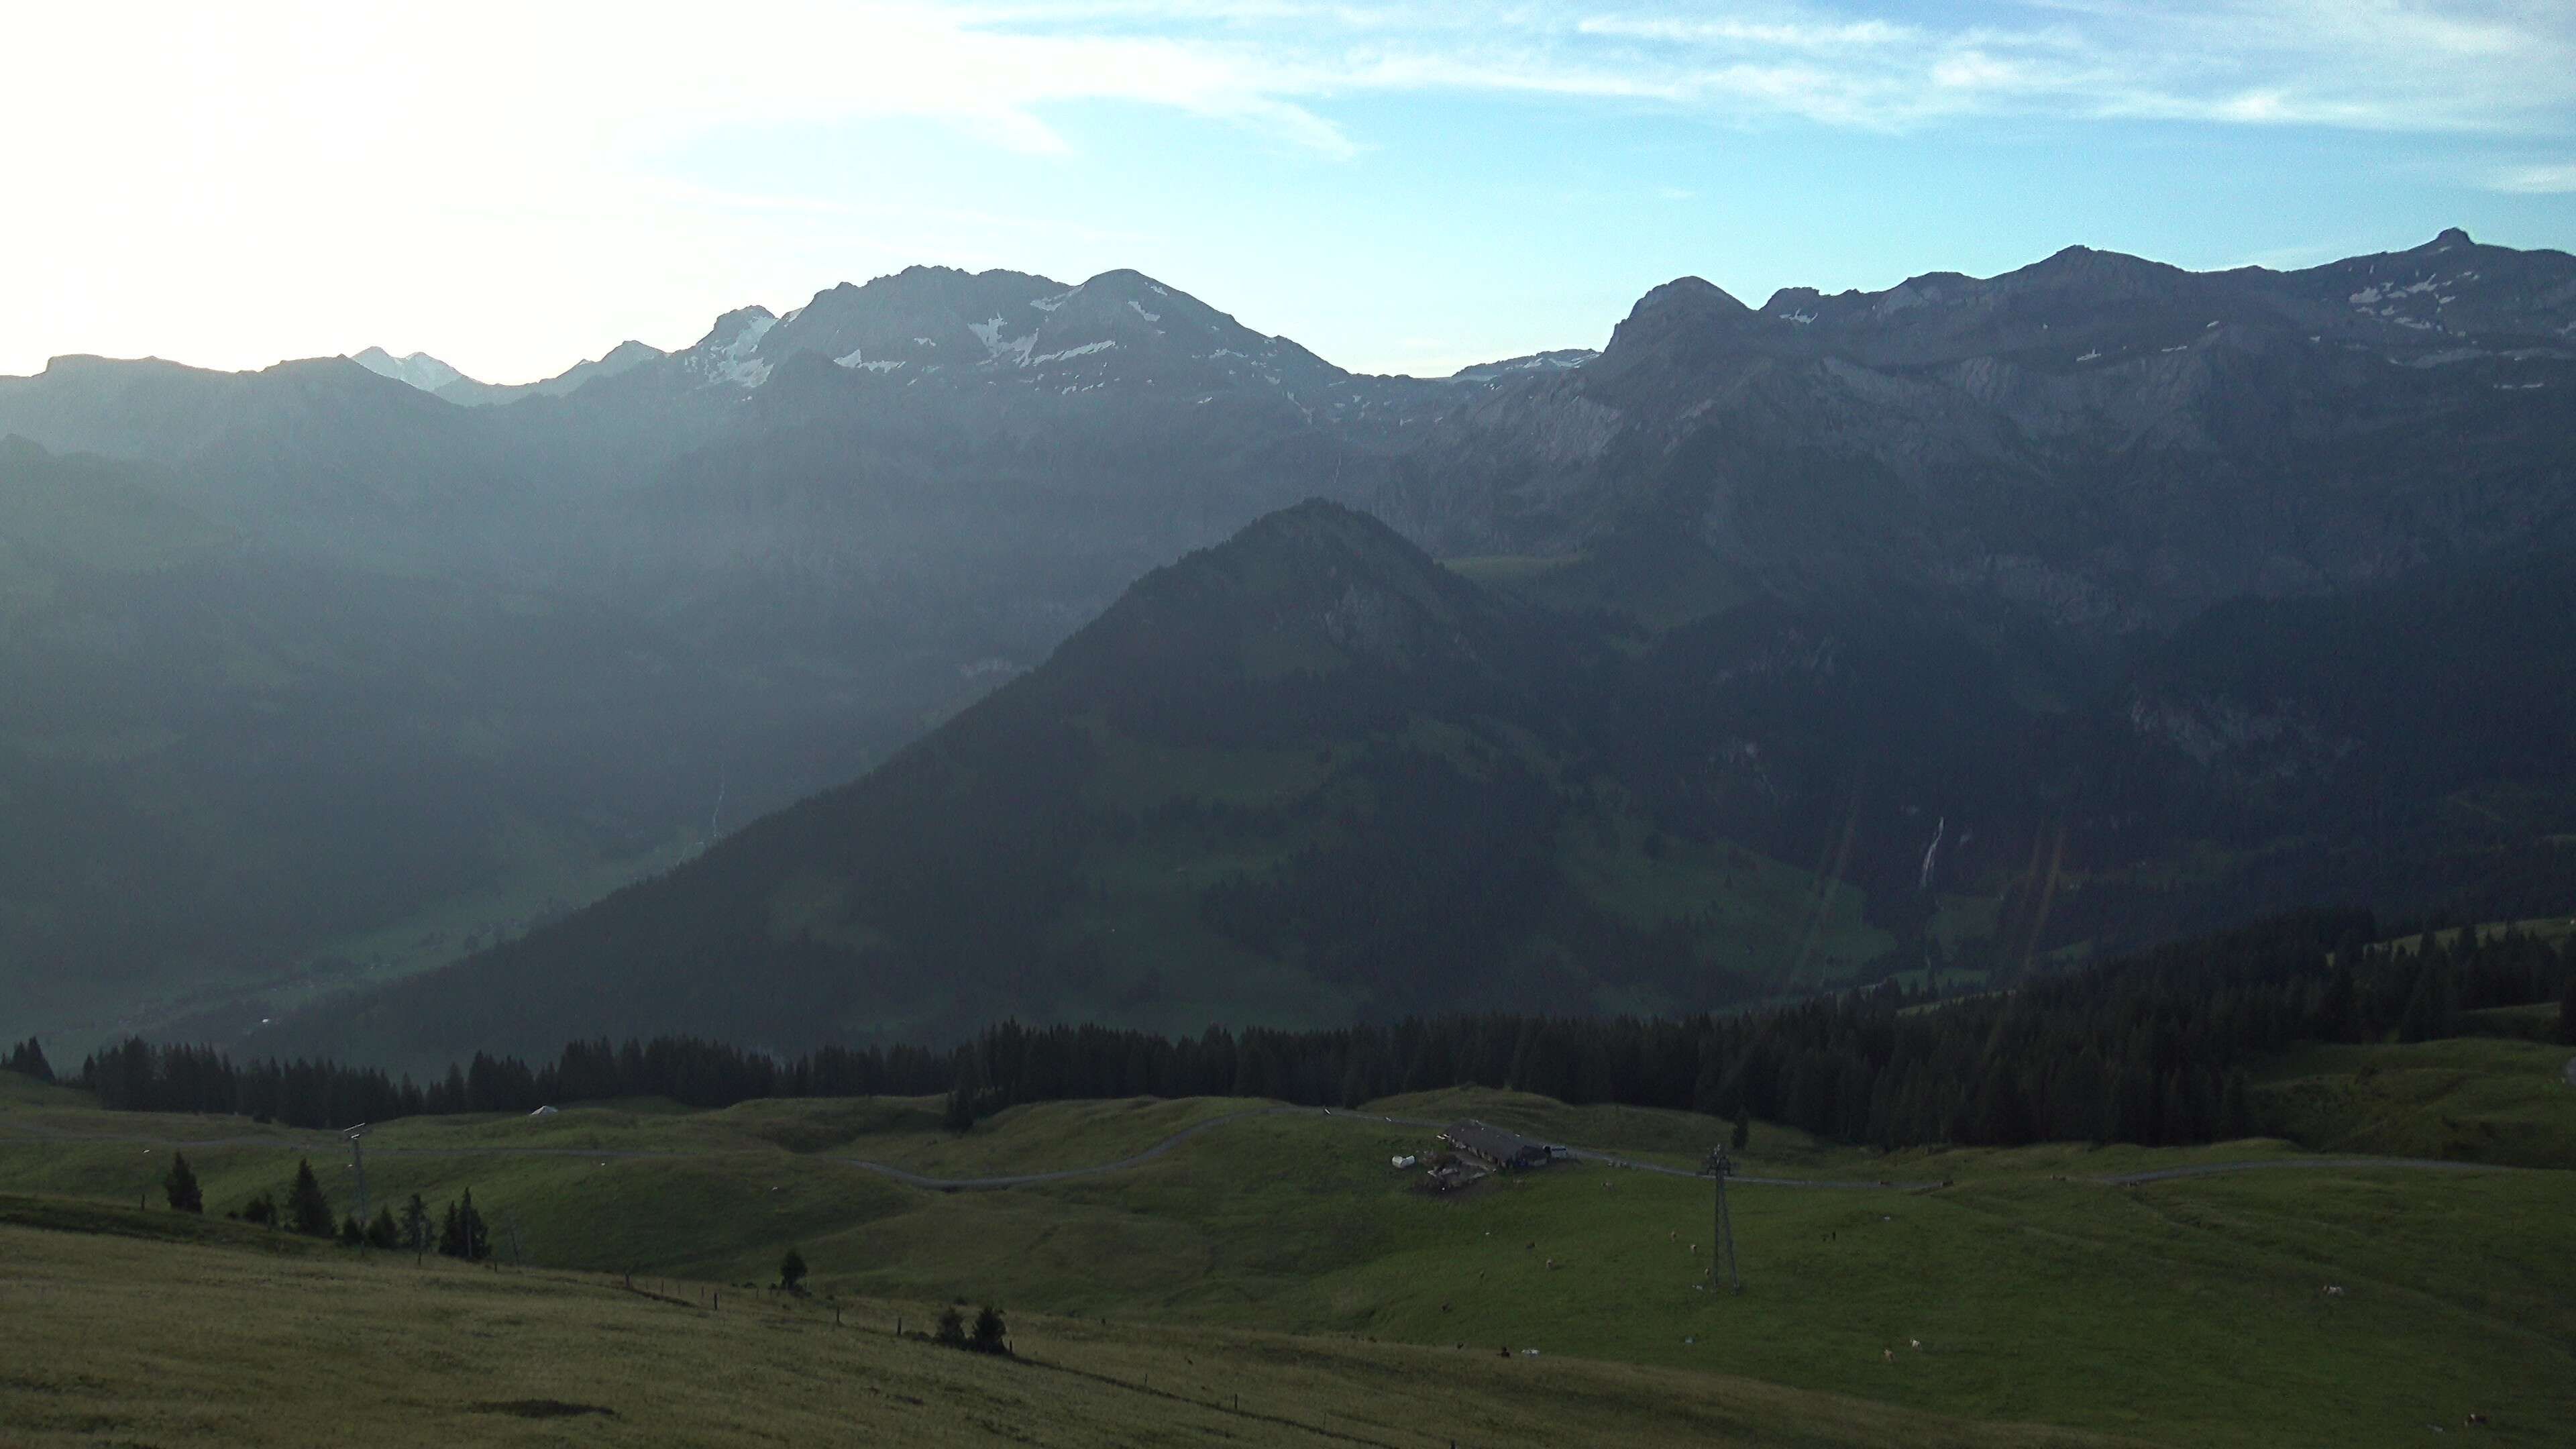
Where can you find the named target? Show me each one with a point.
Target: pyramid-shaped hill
(1307, 776)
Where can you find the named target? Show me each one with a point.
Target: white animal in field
(1916, 1343)
(1888, 1354)
(2334, 1290)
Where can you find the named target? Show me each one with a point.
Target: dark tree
(462, 1233)
(180, 1185)
(952, 1327)
(28, 1059)
(2567, 1014)
(1742, 1136)
(352, 1235)
(308, 1210)
(964, 1097)
(991, 1333)
(791, 1271)
(382, 1233)
(415, 1225)
(261, 1209)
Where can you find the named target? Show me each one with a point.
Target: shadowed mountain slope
(1930, 591)
(1304, 776)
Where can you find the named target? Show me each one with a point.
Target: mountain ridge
(2030, 485)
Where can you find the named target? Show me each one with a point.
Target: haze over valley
(1696, 722)
(1978, 620)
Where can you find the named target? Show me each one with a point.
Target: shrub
(992, 1335)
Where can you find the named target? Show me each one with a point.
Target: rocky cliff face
(2106, 442)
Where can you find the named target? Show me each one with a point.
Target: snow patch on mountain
(420, 370)
(1085, 350)
(735, 360)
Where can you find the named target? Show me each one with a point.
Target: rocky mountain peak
(419, 369)
(1681, 320)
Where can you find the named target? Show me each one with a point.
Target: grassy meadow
(2479, 1099)
(114, 1334)
(2183, 1312)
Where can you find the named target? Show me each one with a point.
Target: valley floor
(2185, 1307)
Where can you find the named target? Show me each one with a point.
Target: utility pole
(1721, 1167)
(358, 1165)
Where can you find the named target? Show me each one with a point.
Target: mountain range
(1967, 622)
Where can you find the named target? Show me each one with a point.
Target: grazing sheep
(2334, 1290)
(2477, 1421)
(1916, 1344)
(1888, 1354)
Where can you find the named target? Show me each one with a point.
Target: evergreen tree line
(461, 1232)
(28, 1060)
(2155, 1049)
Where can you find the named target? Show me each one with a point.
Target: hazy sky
(1402, 187)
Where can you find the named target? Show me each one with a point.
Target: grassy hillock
(2182, 1311)
(2473, 1099)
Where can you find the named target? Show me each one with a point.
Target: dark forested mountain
(1309, 775)
(2070, 608)
(1312, 776)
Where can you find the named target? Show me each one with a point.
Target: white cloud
(2538, 180)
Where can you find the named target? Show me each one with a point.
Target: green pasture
(2186, 1311)
(112, 1336)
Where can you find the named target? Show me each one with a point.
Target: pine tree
(791, 1271)
(952, 1327)
(28, 1059)
(180, 1186)
(991, 1334)
(308, 1210)
(261, 1209)
(382, 1233)
(1742, 1134)
(964, 1099)
(474, 1235)
(451, 1233)
(351, 1235)
(415, 1225)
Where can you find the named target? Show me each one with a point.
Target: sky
(1402, 187)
